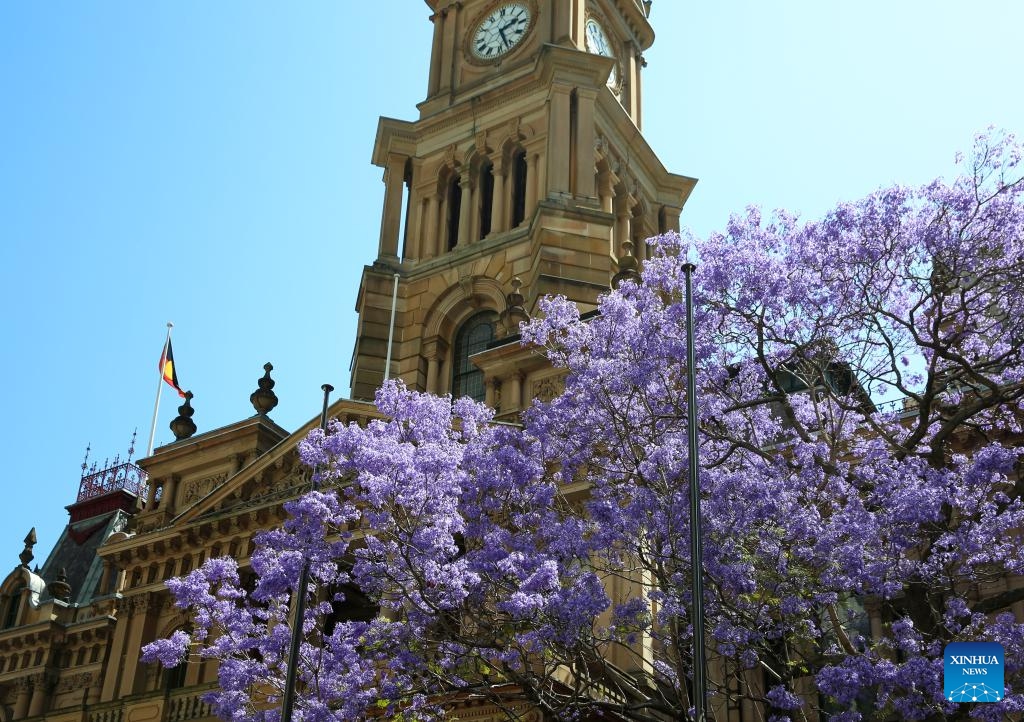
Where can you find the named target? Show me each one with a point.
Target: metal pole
(391, 329)
(700, 676)
(159, 388)
(299, 605)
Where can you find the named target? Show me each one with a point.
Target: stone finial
(629, 266)
(26, 554)
(514, 313)
(59, 587)
(183, 426)
(516, 299)
(264, 399)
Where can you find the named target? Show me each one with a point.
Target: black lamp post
(700, 674)
(299, 611)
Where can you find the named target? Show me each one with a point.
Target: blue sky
(209, 164)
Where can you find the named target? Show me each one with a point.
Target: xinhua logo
(973, 672)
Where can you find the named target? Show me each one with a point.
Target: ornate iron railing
(125, 476)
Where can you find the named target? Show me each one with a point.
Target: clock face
(597, 42)
(499, 32)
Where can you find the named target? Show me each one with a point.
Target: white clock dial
(502, 29)
(597, 42)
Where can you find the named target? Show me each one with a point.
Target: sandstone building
(524, 175)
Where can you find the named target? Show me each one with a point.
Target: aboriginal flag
(167, 368)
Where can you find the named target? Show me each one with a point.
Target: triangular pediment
(216, 492)
(270, 478)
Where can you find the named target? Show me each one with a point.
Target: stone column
(561, 22)
(192, 672)
(585, 136)
(579, 17)
(391, 216)
(92, 690)
(447, 47)
(435, 53)
(414, 209)
(106, 577)
(532, 161)
(489, 391)
(170, 493)
(21, 701)
(634, 69)
(136, 624)
(434, 350)
(151, 494)
(623, 214)
(605, 192)
(557, 171)
(429, 229)
(413, 237)
(432, 364)
(541, 189)
(498, 200)
(39, 695)
(513, 400)
(475, 197)
(465, 208)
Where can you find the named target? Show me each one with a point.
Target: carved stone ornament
(72, 682)
(548, 388)
(449, 157)
(196, 489)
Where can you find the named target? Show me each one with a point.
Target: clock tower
(525, 174)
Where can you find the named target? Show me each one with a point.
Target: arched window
(454, 210)
(473, 337)
(518, 188)
(13, 607)
(486, 197)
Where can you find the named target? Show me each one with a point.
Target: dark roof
(75, 552)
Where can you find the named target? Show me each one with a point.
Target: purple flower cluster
(846, 540)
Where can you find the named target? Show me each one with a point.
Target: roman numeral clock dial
(500, 31)
(596, 40)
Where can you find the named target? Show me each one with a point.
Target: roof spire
(26, 554)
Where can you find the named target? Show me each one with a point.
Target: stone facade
(524, 175)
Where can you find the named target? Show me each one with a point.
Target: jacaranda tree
(859, 382)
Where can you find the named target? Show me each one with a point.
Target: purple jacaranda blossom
(860, 382)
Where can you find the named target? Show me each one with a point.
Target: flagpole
(159, 389)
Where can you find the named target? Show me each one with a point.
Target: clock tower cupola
(524, 175)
